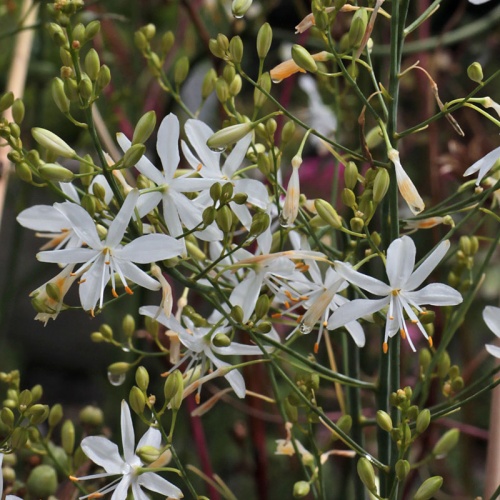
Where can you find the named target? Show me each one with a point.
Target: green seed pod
(208, 85)
(222, 90)
(51, 142)
(181, 70)
(142, 378)
(7, 417)
(367, 474)
(91, 30)
(42, 481)
(221, 340)
(229, 135)
(173, 389)
(348, 198)
(18, 111)
(55, 173)
(262, 306)
(423, 420)
(133, 155)
(137, 400)
(103, 78)
(350, 175)
(384, 420)
(446, 443)
(402, 468)
(358, 28)
(236, 49)
(327, 213)
(239, 7)
(237, 314)
(167, 42)
(259, 98)
(68, 437)
(301, 489)
(92, 64)
(380, 185)
(85, 88)
(475, 72)
(23, 171)
(224, 219)
(264, 40)
(429, 488)
(55, 415)
(91, 415)
(59, 96)
(303, 58)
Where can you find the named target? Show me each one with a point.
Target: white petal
(70, 191)
(246, 293)
(189, 212)
(119, 225)
(256, 191)
(491, 316)
(484, 164)
(435, 294)
(400, 261)
(235, 158)
(151, 248)
(357, 333)
(121, 489)
(365, 282)
(237, 349)
(234, 377)
(191, 184)
(67, 255)
(154, 482)
(426, 268)
(136, 275)
(152, 437)
(171, 216)
(147, 202)
(478, 2)
(198, 133)
(81, 222)
(354, 310)
(43, 218)
(92, 283)
(242, 213)
(494, 350)
(104, 453)
(167, 144)
(128, 436)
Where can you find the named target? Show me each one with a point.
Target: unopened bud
(7, 417)
(92, 64)
(133, 155)
(55, 415)
(173, 389)
(358, 28)
(55, 173)
(429, 488)
(137, 400)
(443, 365)
(140, 40)
(475, 72)
(239, 7)
(119, 368)
(148, 454)
(59, 96)
(23, 171)
(303, 58)
(384, 420)
(259, 98)
(262, 306)
(348, 198)
(91, 415)
(235, 86)
(446, 443)
(291, 411)
(260, 222)
(224, 219)
(68, 437)
(167, 42)
(222, 90)
(19, 437)
(423, 420)
(142, 378)
(42, 481)
(85, 88)
(229, 135)
(91, 30)
(327, 213)
(351, 175)
(52, 142)
(264, 40)
(288, 131)
(237, 314)
(374, 137)
(57, 34)
(18, 111)
(236, 49)
(367, 474)
(402, 469)
(380, 185)
(208, 84)
(103, 77)
(181, 70)
(221, 340)
(301, 489)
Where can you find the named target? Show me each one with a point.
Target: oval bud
(264, 40)
(446, 443)
(358, 28)
(259, 98)
(128, 326)
(327, 213)
(68, 437)
(237, 314)
(55, 173)
(92, 64)
(229, 135)
(181, 70)
(18, 111)
(367, 474)
(7, 417)
(423, 420)
(119, 368)
(235, 86)
(221, 340)
(475, 72)
(85, 88)
(348, 198)
(137, 400)
(167, 42)
(173, 389)
(301, 489)
(103, 78)
(23, 171)
(55, 415)
(42, 481)
(6, 101)
(91, 415)
(429, 488)
(380, 185)
(303, 58)
(142, 378)
(59, 96)
(133, 155)
(402, 469)
(384, 420)
(148, 454)
(224, 219)
(52, 142)
(236, 49)
(262, 306)
(91, 30)
(208, 85)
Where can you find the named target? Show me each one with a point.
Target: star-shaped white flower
(491, 316)
(130, 468)
(483, 165)
(8, 497)
(103, 258)
(400, 294)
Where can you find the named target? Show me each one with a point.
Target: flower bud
(429, 488)
(78, 33)
(237, 314)
(380, 185)
(221, 340)
(19, 437)
(222, 42)
(303, 58)
(236, 49)
(59, 96)
(57, 34)
(443, 365)
(85, 88)
(262, 306)
(446, 443)
(367, 474)
(215, 49)
(23, 171)
(137, 400)
(208, 85)
(18, 111)
(92, 64)
(384, 420)
(6, 101)
(301, 489)
(423, 420)
(119, 368)
(327, 213)
(68, 437)
(167, 42)
(240, 198)
(358, 28)
(224, 219)
(148, 454)
(475, 72)
(348, 198)
(52, 142)
(181, 70)
(235, 86)
(229, 135)
(142, 378)
(55, 173)
(288, 130)
(133, 155)
(140, 40)
(264, 40)
(55, 415)
(7, 417)
(239, 7)
(260, 222)
(222, 90)
(351, 175)
(402, 469)
(103, 78)
(173, 389)
(37, 413)
(259, 98)
(91, 415)
(71, 89)
(91, 30)
(42, 481)
(374, 137)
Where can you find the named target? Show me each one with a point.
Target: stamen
(385, 347)
(73, 478)
(129, 291)
(113, 292)
(403, 333)
(197, 398)
(316, 348)
(430, 341)
(276, 315)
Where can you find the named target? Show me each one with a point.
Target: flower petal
(400, 261)
(104, 453)
(154, 482)
(119, 225)
(128, 436)
(435, 294)
(198, 134)
(426, 268)
(365, 282)
(81, 222)
(234, 377)
(237, 155)
(151, 248)
(167, 145)
(152, 437)
(491, 316)
(484, 164)
(67, 255)
(353, 310)
(43, 218)
(494, 350)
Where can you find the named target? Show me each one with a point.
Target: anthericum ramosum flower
(132, 473)
(178, 209)
(201, 350)
(483, 165)
(290, 67)
(491, 316)
(400, 295)
(8, 497)
(291, 205)
(406, 187)
(101, 259)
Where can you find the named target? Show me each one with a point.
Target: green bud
(344, 423)
(402, 469)
(215, 191)
(215, 49)
(8, 473)
(429, 488)
(237, 314)
(358, 28)
(66, 60)
(181, 70)
(42, 481)
(380, 185)
(137, 400)
(224, 219)
(144, 128)
(119, 368)
(457, 384)
(133, 155)
(92, 64)
(142, 378)
(236, 49)
(288, 131)
(6, 101)
(475, 72)
(107, 331)
(68, 437)
(327, 213)
(25, 399)
(55, 173)
(208, 85)
(208, 215)
(173, 389)
(18, 111)
(7, 417)
(240, 198)
(57, 34)
(303, 58)
(239, 7)
(223, 42)
(85, 88)
(264, 327)
(23, 171)
(259, 98)
(262, 306)
(103, 78)
(226, 192)
(52, 142)
(348, 198)
(149, 31)
(91, 415)
(78, 33)
(128, 325)
(301, 489)
(384, 420)
(71, 89)
(229, 135)
(140, 40)
(425, 358)
(367, 474)
(271, 126)
(167, 42)
(350, 175)
(148, 454)
(423, 420)
(443, 365)
(374, 137)
(264, 40)
(37, 413)
(446, 443)
(222, 90)
(235, 86)
(59, 96)
(260, 222)
(55, 415)
(19, 437)
(91, 30)
(221, 340)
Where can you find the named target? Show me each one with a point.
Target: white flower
(491, 316)
(201, 348)
(105, 453)
(177, 208)
(478, 2)
(400, 294)
(8, 497)
(483, 165)
(292, 198)
(103, 258)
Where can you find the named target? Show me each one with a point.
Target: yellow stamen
(129, 291)
(197, 398)
(430, 341)
(316, 348)
(276, 315)
(403, 333)
(73, 478)
(113, 292)
(385, 347)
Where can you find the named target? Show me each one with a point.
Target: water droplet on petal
(116, 379)
(125, 349)
(284, 221)
(219, 149)
(238, 17)
(304, 329)
(276, 80)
